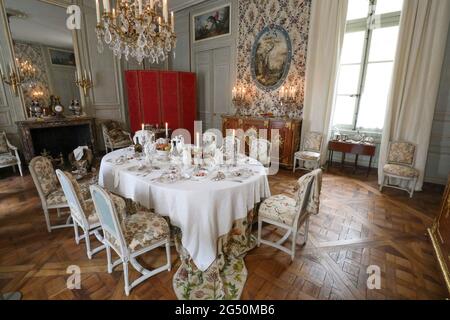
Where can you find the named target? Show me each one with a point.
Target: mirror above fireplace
(44, 55)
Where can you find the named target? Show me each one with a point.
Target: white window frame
(368, 24)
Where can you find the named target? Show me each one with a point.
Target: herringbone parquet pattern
(356, 227)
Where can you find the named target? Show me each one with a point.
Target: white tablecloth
(203, 210)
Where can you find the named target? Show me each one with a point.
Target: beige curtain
(326, 35)
(415, 83)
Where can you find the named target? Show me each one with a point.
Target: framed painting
(271, 57)
(62, 57)
(212, 24)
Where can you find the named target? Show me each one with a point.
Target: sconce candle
(167, 130)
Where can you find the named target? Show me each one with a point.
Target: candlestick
(167, 130)
(198, 140)
(165, 12)
(172, 22)
(143, 127)
(97, 10)
(106, 6)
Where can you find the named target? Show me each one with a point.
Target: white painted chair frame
(45, 206)
(254, 143)
(302, 218)
(79, 217)
(125, 255)
(302, 161)
(14, 152)
(411, 181)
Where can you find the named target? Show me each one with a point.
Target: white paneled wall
(438, 162)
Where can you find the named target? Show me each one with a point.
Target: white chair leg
(382, 183)
(108, 258)
(125, 277)
(20, 169)
(88, 244)
(169, 260)
(47, 220)
(294, 243)
(14, 169)
(306, 231)
(413, 187)
(295, 164)
(75, 229)
(259, 232)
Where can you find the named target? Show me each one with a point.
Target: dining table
(205, 207)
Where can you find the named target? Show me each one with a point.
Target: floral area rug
(226, 277)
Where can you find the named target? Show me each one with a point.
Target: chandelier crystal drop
(136, 28)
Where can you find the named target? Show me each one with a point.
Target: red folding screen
(156, 97)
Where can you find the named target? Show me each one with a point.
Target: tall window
(366, 65)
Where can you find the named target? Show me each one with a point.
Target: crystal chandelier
(136, 28)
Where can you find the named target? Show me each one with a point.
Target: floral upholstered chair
(400, 165)
(114, 136)
(289, 213)
(9, 156)
(310, 152)
(130, 237)
(261, 150)
(50, 192)
(82, 212)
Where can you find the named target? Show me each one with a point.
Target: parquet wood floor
(357, 226)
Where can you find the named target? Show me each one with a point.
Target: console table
(356, 148)
(56, 135)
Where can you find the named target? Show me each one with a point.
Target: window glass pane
(344, 110)
(352, 47)
(386, 6)
(348, 79)
(357, 9)
(384, 44)
(375, 95)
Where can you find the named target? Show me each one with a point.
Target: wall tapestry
(271, 57)
(254, 16)
(212, 24)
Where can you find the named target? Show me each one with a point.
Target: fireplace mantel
(57, 130)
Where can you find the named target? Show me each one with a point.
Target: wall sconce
(239, 96)
(85, 82)
(12, 79)
(288, 95)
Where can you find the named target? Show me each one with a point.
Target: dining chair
(82, 212)
(289, 213)
(9, 155)
(114, 136)
(130, 238)
(310, 151)
(261, 150)
(400, 165)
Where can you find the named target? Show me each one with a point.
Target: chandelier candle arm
(106, 6)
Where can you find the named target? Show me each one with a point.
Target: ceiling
(43, 23)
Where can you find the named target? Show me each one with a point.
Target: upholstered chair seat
(57, 197)
(307, 155)
(7, 159)
(279, 208)
(143, 229)
(401, 171)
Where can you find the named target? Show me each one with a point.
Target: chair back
(261, 150)
(313, 142)
(401, 152)
(43, 174)
(303, 195)
(107, 215)
(229, 142)
(74, 198)
(3, 143)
